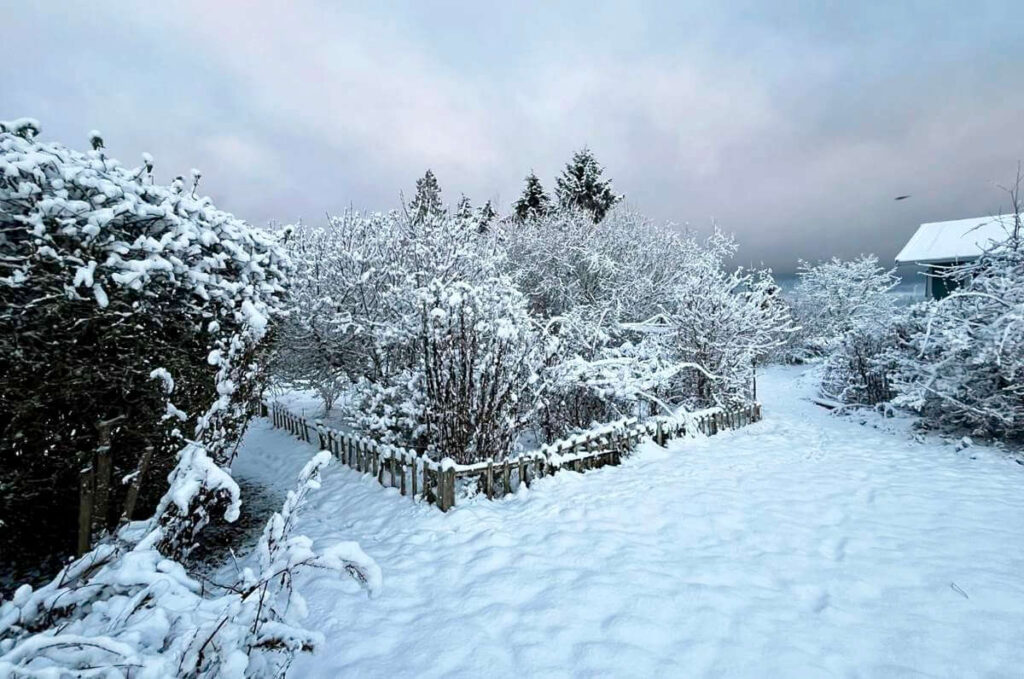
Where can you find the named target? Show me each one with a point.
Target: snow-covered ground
(804, 546)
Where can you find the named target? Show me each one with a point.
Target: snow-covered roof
(961, 239)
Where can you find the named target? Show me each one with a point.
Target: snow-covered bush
(584, 280)
(959, 362)
(848, 317)
(469, 388)
(118, 297)
(622, 317)
(638, 312)
(835, 297)
(720, 326)
(367, 305)
(127, 610)
(480, 354)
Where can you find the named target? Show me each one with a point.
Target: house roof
(962, 239)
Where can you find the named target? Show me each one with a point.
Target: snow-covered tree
(846, 315)
(426, 203)
(356, 318)
(485, 215)
(534, 202)
(464, 210)
(581, 187)
(637, 312)
(315, 341)
(837, 296)
(719, 328)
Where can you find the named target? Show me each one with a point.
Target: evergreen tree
(581, 186)
(534, 202)
(484, 216)
(427, 201)
(464, 210)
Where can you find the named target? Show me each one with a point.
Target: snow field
(805, 545)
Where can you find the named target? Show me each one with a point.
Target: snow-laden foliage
(107, 278)
(847, 316)
(126, 610)
(118, 291)
(583, 281)
(835, 297)
(626, 266)
(638, 312)
(353, 292)
(466, 391)
(590, 321)
(720, 325)
(480, 355)
(959, 362)
(362, 313)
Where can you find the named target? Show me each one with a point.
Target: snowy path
(803, 546)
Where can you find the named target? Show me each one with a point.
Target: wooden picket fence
(417, 475)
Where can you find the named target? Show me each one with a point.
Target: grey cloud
(791, 124)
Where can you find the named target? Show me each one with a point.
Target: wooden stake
(490, 480)
(133, 489)
(85, 481)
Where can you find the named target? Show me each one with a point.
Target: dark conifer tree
(427, 201)
(534, 202)
(580, 186)
(484, 216)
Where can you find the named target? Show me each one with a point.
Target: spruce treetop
(580, 186)
(427, 201)
(485, 214)
(534, 202)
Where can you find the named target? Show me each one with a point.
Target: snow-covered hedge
(118, 297)
(123, 297)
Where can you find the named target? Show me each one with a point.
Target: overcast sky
(793, 126)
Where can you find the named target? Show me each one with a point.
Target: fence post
(133, 489)
(85, 479)
(490, 479)
(412, 475)
(101, 499)
(450, 488)
(506, 480)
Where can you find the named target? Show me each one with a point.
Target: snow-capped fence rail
(416, 474)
